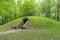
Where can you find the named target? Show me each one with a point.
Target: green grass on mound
(42, 22)
(8, 26)
(38, 22)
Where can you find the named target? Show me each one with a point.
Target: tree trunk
(58, 9)
(48, 8)
(3, 21)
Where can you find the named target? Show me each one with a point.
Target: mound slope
(34, 22)
(39, 23)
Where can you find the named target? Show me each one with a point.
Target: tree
(28, 8)
(48, 8)
(7, 10)
(58, 9)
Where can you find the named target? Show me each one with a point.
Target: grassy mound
(48, 29)
(42, 22)
(38, 22)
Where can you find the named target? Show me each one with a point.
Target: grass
(38, 22)
(8, 26)
(42, 22)
(32, 35)
(48, 29)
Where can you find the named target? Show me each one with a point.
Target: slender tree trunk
(15, 15)
(3, 21)
(6, 18)
(48, 8)
(58, 9)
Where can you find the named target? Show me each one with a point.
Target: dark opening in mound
(20, 24)
(25, 20)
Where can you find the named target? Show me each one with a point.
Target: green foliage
(9, 10)
(29, 8)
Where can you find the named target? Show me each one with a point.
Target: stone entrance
(20, 24)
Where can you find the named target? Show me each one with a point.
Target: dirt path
(11, 31)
